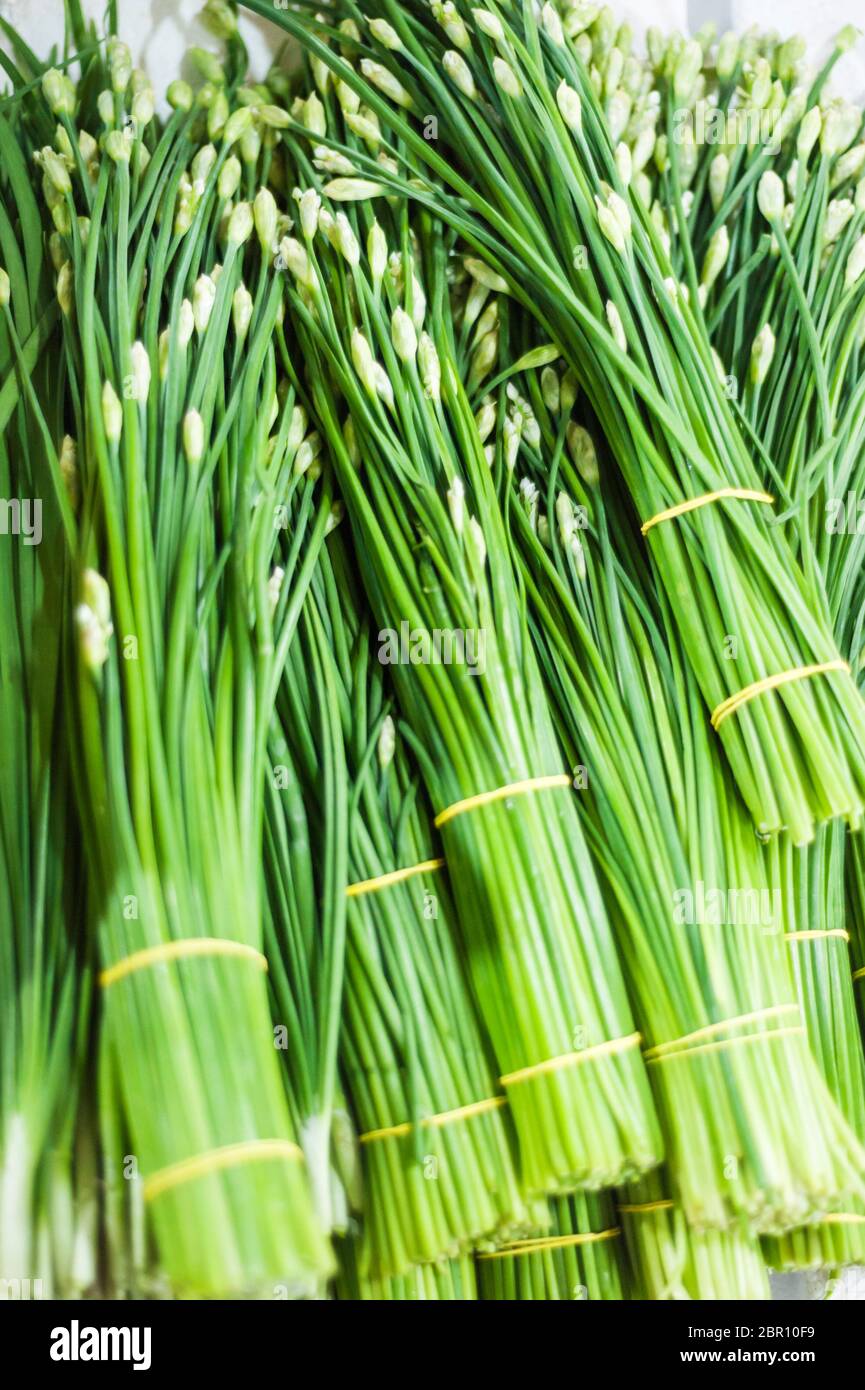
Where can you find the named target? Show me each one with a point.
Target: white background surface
(158, 32)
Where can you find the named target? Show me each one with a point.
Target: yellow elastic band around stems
(530, 784)
(859, 974)
(816, 935)
(691, 504)
(375, 885)
(571, 1059)
(637, 1208)
(179, 950)
(528, 1247)
(229, 1156)
(447, 1117)
(766, 1035)
(711, 1029)
(841, 1218)
(797, 673)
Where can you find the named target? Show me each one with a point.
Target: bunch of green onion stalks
(668, 1260)
(810, 885)
(433, 556)
(185, 447)
(707, 967)
(536, 186)
(443, 1281)
(436, 1146)
(855, 921)
(575, 1255)
(45, 964)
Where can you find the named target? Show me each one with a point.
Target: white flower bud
(584, 454)
(570, 106)
(352, 190)
(5, 289)
(838, 214)
(762, 352)
(486, 419)
(241, 312)
(376, 250)
(240, 224)
(68, 462)
(203, 299)
(295, 258)
(140, 372)
(217, 115)
(229, 178)
(346, 241)
(179, 95)
(403, 335)
(296, 428)
(460, 73)
(185, 324)
(112, 414)
(386, 743)
(551, 390)
(366, 126)
(855, 264)
(309, 208)
(617, 328)
(59, 92)
(841, 122)
(809, 132)
(719, 174)
(331, 161)
(506, 78)
(489, 24)
(624, 164)
(485, 276)
(430, 367)
(716, 257)
(313, 115)
(307, 453)
(264, 213)
(193, 437)
(386, 34)
(364, 363)
(384, 79)
(456, 498)
(770, 196)
(553, 25)
(476, 550)
(66, 288)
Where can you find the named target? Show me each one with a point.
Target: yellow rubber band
(531, 784)
(691, 504)
(447, 1117)
(528, 1247)
(179, 950)
(712, 1028)
(571, 1059)
(859, 974)
(798, 673)
(188, 1169)
(662, 1204)
(841, 1218)
(374, 885)
(816, 935)
(765, 1036)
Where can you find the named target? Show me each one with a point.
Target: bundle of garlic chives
(707, 964)
(445, 1281)
(537, 935)
(436, 1149)
(576, 1255)
(536, 163)
(45, 965)
(667, 1259)
(171, 733)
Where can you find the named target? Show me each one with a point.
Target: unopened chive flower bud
(219, 18)
(719, 174)
(762, 352)
(809, 132)
(55, 170)
(485, 275)
(202, 165)
(385, 34)
(512, 433)
(348, 99)
(346, 241)
(66, 288)
(87, 146)
(770, 196)
(264, 213)
(456, 499)
(240, 224)
(364, 363)
(849, 166)
(404, 336)
(59, 92)
(551, 390)
(140, 372)
(332, 162)
(307, 453)
(484, 357)
(584, 454)
(5, 289)
(838, 214)
(143, 106)
(352, 190)
(841, 122)
(716, 257)
(727, 56)
(208, 65)
(460, 73)
(193, 437)
(618, 112)
(68, 463)
(376, 250)
(295, 258)
(105, 107)
(250, 145)
(273, 117)
(365, 125)
(386, 746)
(489, 24)
(847, 38)
(179, 95)
(203, 299)
(313, 115)
(624, 164)
(217, 115)
(229, 178)
(506, 78)
(120, 61)
(384, 79)
(164, 347)
(238, 122)
(448, 16)
(552, 25)
(185, 323)
(112, 414)
(611, 227)
(570, 106)
(430, 367)
(309, 206)
(570, 391)
(476, 550)
(118, 145)
(855, 264)
(617, 328)
(643, 149)
(859, 196)
(383, 384)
